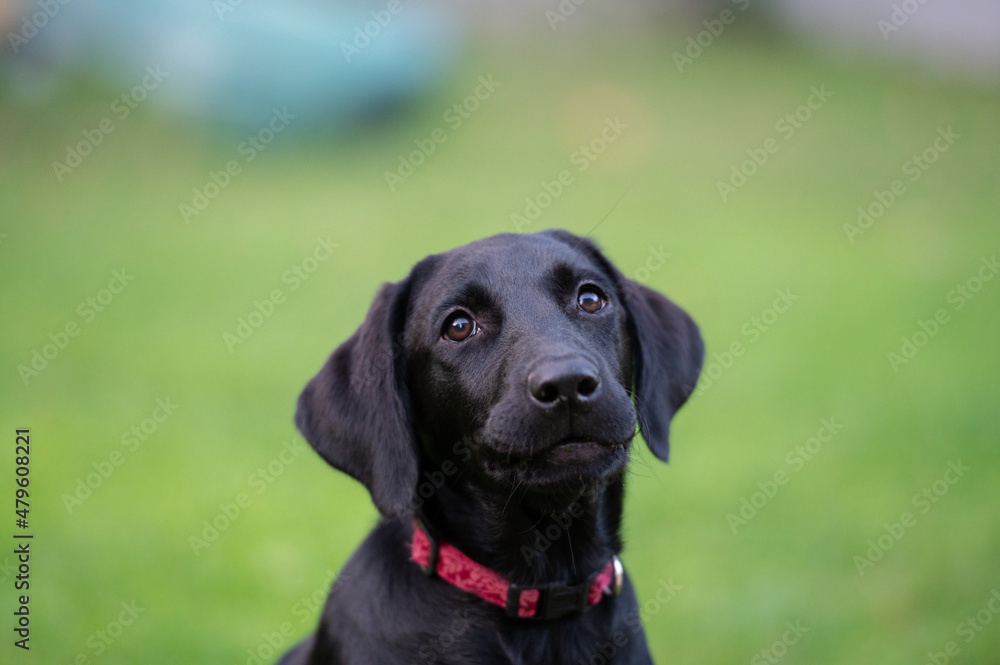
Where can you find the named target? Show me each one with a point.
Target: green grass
(827, 356)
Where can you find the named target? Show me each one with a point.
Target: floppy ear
(355, 411)
(667, 349)
(667, 352)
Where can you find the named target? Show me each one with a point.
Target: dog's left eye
(459, 326)
(590, 299)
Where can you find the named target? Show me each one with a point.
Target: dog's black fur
(494, 439)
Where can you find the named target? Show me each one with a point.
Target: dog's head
(523, 358)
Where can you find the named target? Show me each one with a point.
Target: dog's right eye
(459, 326)
(590, 299)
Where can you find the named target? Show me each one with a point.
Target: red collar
(548, 602)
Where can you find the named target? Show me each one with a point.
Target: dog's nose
(575, 380)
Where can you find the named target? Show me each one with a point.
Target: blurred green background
(826, 357)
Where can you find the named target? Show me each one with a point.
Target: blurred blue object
(234, 61)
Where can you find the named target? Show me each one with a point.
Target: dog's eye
(459, 326)
(590, 299)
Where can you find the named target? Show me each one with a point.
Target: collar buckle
(554, 602)
(617, 576)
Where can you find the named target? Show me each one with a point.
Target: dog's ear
(667, 352)
(667, 349)
(355, 411)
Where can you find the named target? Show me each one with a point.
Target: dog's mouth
(576, 451)
(570, 459)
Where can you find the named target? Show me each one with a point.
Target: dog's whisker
(641, 460)
(513, 489)
(535, 525)
(572, 559)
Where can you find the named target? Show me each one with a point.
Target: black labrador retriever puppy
(488, 403)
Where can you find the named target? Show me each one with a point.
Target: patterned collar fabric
(549, 602)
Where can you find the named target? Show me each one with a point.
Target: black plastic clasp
(554, 602)
(430, 570)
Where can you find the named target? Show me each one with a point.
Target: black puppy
(488, 403)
